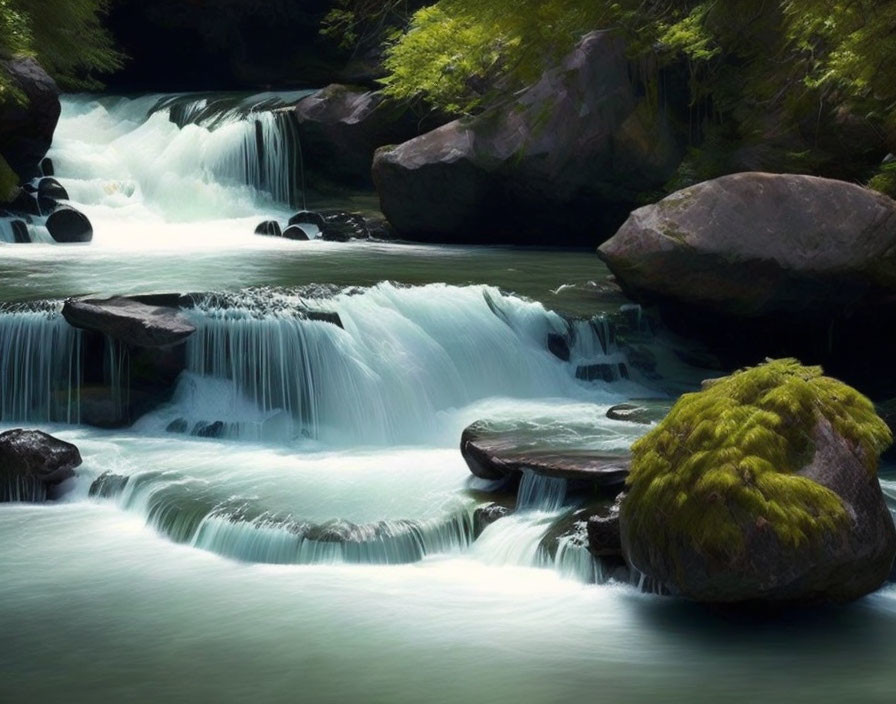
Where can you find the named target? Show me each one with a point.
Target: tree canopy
(66, 36)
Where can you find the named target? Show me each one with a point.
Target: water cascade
(399, 359)
(184, 158)
(40, 366)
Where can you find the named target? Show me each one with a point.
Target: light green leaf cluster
(456, 53)
(724, 458)
(66, 36)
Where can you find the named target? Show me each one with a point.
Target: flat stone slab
(129, 321)
(495, 454)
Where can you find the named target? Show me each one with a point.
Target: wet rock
(32, 462)
(494, 454)
(46, 167)
(129, 321)
(24, 203)
(294, 232)
(26, 129)
(324, 316)
(178, 425)
(644, 411)
(108, 485)
(559, 346)
(342, 226)
(209, 430)
(604, 536)
(20, 232)
(49, 193)
(484, 516)
(68, 225)
(269, 228)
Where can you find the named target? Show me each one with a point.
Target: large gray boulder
(562, 162)
(32, 462)
(129, 321)
(755, 244)
(341, 127)
(26, 130)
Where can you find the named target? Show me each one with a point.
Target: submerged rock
(563, 163)
(32, 462)
(602, 371)
(20, 232)
(493, 454)
(129, 321)
(762, 487)
(269, 228)
(484, 516)
(108, 485)
(643, 411)
(559, 346)
(294, 232)
(68, 225)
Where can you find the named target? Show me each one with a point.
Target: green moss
(8, 181)
(725, 457)
(885, 180)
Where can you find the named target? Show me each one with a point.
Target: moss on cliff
(8, 181)
(725, 457)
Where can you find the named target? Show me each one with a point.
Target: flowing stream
(296, 522)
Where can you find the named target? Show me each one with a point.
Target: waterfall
(235, 515)
(539, 493)
(397, 361)
(380, 366)
(40, 367)
(184, 158)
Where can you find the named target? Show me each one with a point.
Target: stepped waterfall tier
(272, 503)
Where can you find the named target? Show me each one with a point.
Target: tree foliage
(771, 83)
(66, 36)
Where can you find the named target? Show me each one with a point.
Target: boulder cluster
(30, 196)
(760, 488)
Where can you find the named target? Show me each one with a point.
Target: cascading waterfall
(40, 367)
(380, 367)
(223, 518)
(518, 539)
(186, 158)
(401, 358)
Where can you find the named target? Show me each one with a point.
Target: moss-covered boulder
(762, 487)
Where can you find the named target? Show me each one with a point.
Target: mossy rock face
(763, 486)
